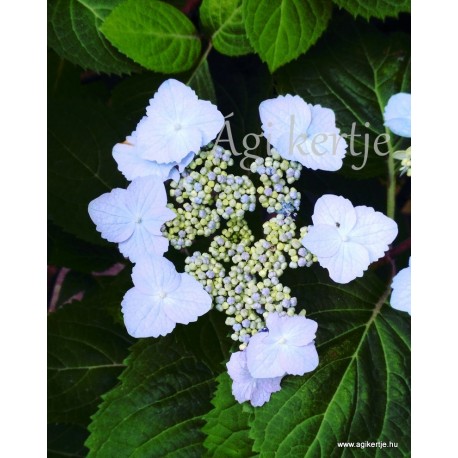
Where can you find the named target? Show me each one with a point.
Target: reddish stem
(190, 6)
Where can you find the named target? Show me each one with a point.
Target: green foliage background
(110, 396)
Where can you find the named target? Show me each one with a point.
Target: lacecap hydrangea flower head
(185, 189)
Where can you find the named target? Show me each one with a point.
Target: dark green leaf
(361, 388)
(69, 81)
(73, 285)
(156, 410)
(208, 328)
(86, 350)
(154, 34)
(201, 81)
(81, 135)
(65, 250)
(282, 30)
(374, 8)
(227, 425)
(131, 97)
(180, 4)
(63, 77)
(354, 70)
(66, 441)
(241, 85)
(74, 33)
(223, 21)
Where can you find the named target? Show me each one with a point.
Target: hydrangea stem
(202, 59)
(391, 191)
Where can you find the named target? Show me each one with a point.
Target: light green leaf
(282, 30)
(74, 33)
(227, 425)
(81, 135)
(354, 70)
(156, 410)
(374, 8)
(361, 388)
(86, 350)
(154, 34)
(223, 21)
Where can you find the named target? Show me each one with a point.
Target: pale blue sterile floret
(247, 388)
(161, 298)
(346, 239)
(303, 132)
(287, 347)
(132, 165)
(401, 295)
(133, 217)
(397, 114)
(176, 124)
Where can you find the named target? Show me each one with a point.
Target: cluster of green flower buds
(204, 195)
(241, 273)
(241, 295)
(276, 174)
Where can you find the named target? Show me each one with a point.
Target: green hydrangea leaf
(253, 84)
(66, 441)
(354, 70)
(223, 21)
(361, 388)
(131, 96)
(65, 250)
(282, 30)
(74, 33)
(81, 135)
(155, 34)
(227, 424)
(156, 410)
(86, 350)
(201, 81)
(209, 328)
(374, 8)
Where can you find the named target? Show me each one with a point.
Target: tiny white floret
(346, 239)
(177, 123)
(287, 347)
(397, 114)
(133, 217)
(131, 164)
(247, 388)
(400, 297)
(303, 132)
(161, 298)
